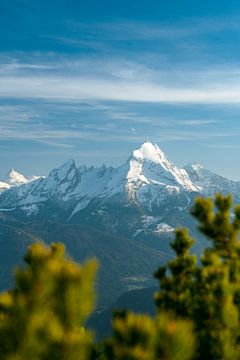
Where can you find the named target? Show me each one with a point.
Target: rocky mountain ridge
(144, 199)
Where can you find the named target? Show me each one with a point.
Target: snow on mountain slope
(152, 179)
(147, 186)
(4, 186)
(209, 183)
(59, 181)
(149, 164)
(92, 183)
(148, 178)
(15, 179)
(146, 173)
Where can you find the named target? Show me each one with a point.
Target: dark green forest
(43, 317)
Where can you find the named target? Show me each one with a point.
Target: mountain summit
(15, 178)
(149, 151)
(150, 165)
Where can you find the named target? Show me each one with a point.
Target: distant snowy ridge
(15, 179)
(209, 183)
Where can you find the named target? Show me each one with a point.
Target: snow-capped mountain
(147, 196)
(146, 179)
(121, 215)
(149, 165)
(15, 179)
(152, 179)
(209, 183)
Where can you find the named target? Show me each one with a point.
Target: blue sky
(91, 80)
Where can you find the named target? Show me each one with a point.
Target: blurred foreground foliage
(42, 316)
(198, 317)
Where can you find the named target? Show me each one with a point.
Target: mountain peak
(149, 165)
(66, 166)
(69, 163)
(15, 178)
(149, 151)
(194, 166)
(63, 171)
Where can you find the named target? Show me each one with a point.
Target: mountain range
(125, 215)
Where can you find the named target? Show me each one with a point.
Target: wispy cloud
(195, 122)
(77, 79)
(87, 88)
(143, 30)
(40, 125)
